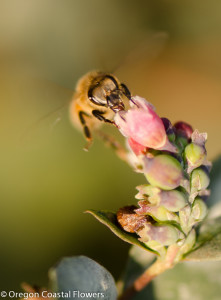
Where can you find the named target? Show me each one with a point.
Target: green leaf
(110, 220)
(193, 280)
(80, 277)
(208, 246)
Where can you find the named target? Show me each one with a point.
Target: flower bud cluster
(173, 161)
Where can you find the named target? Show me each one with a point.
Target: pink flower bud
(173, 200)
(137, 148)
(163, 171)
(164, 234)
(144, 126)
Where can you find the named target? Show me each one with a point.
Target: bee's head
(108, 92)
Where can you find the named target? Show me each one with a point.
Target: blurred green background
(166, 51)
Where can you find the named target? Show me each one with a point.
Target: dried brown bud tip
(129, 220)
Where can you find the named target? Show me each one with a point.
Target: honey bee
(97, 98)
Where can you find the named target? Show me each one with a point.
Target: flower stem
(158, 267)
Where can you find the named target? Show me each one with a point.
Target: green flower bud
(199, 209)
(184, 215)
(187, 245)
(164, 234)
(163, 171)
(195, 156)
(199, 180)
(190, 240)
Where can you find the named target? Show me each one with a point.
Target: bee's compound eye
(108, 84)
(97, 95)
(105, 86)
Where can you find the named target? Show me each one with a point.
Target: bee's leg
(110, 141)
(86, 130)
(98, 114)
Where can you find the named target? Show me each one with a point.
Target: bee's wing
(124, 55)
(146, 48)
(46, 123)
(57, 99)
